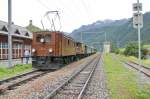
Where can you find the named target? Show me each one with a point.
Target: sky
(73, 13)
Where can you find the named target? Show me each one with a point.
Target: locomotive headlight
(42, 40)
(33, 50)
(50, 50)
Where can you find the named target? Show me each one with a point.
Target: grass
(9, 72)
(121, 81)
(122, 50)
(146, 46)
(144, 93)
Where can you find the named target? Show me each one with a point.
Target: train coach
(53, 49)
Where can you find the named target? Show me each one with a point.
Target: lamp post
(9, 33)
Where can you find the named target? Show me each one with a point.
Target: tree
(132, 50)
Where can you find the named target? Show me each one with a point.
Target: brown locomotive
(53, 49)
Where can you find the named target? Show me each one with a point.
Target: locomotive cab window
(47, 38)
(39, 37)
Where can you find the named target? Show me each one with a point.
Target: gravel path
(97, 87)
(38, 88)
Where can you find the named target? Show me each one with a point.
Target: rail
(54, 92)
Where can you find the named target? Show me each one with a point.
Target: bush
(132, 50)
(117, 51)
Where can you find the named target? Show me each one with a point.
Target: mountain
(118, 32)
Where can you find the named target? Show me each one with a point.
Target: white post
(139, 45)
(139, 36)
(9, 34)
(105, 37)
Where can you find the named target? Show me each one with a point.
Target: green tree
(132, 50)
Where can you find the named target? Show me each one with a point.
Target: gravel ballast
(97, 87)
(38, 88)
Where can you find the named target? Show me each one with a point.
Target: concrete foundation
(4, 63)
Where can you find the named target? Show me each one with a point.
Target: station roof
(17, 31)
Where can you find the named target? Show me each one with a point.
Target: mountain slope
(119, 32)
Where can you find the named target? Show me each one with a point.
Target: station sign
(137, 6)
(137, 19)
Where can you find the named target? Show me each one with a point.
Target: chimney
(30, 22)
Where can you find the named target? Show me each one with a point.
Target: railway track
(142, 68)
(13, 82)
(136, 66)
(75, 86)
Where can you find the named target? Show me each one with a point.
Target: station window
(4, 45)
(47, 38)
(17, 50)
(3, 50)
(14, 50)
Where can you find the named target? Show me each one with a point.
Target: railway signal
(137, 16)
(138, 24)
(137, 6)
(137, 20)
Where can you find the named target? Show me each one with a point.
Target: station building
(21, 40)
(106, 48)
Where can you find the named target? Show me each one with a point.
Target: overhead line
(42, 4)
(86, 10)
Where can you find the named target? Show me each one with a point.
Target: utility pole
(9, 33)
(105, 37)
(81, 38)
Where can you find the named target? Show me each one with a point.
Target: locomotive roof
(17, 31)
(65, 35)
(69, 37)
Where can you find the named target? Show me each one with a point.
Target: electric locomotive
(54, 49)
